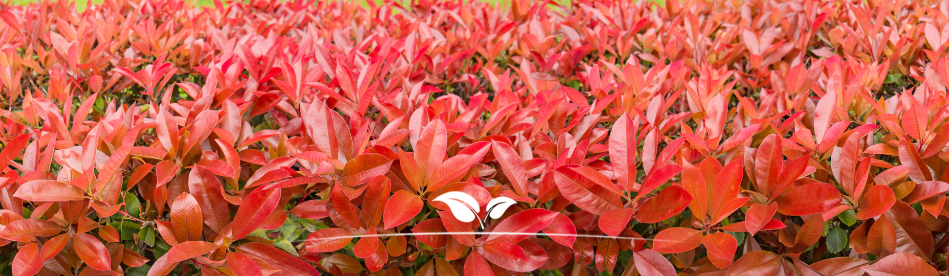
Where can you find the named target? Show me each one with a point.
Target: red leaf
(650, 262)
(535, 256)
(27, 261)
(808, 199)
(912, 236)
(162, 266)
(363, 168)
(434, 226)
(512, 165)
(186, 218)
(606, 253)
(92, 252)
(669, 202)
(614, 222)
(243, 265)
(808, 234)
(924, 190)
(430, 148)
(375, 199)
(25, 230)
(402, 207)
(48, 190)
(277, 258)
(585, 193)
(476, 265)
(901, 264)
(758, 215)
(756, 263)
(505, 249)
(327, 240)
(877, 200)
(344, 207)
(845, 266)
(562, 230)
(677, 240)
(622, 150)
(367, 245)
(909, 157)
(254, 211)
(207, 192)
(189, 250)
(528, 222)
(768, 164)
(658, 177)
(107, 187)
(721, 248)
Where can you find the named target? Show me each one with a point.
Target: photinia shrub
(152, 137)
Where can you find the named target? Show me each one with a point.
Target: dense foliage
(755, 137)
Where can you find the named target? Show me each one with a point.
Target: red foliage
(738, 137)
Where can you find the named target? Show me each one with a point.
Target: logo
(466, 209)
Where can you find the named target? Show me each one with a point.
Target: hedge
(596, 137)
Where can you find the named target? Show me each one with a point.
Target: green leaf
(149, 236)
(739, 236)
(132, 205)
(836, 240)
(848, 217)
(892, 78)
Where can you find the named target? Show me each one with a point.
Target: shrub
(721, 137)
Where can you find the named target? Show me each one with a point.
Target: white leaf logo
(497, 206)
(464, 207)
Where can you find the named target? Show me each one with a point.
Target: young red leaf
(808, 199)
(535, 256)
(808, 234)
(48, 190)
(402, 207)
(25, 230)
(189, 250)
(186, 218)
(584, 192)
(512, 165)
(277, 258)
(909, 157)
(669, 202)
(243, 265)
(721, 248)
(901, 264)
(614, 222)
(877, 200)
(562, 230)
(363, 168)
(650, 262)
(768, 164)
(528, 222)
(622, 149)
(758, 215)
(208, 193)
(375, 199)
(430, 148)
(756, 263)
(606, 253)
(92, 252)
(254, 210)
(505, 249)
(677, 240)
(27, 260)
(476, 265)
(327, 240)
